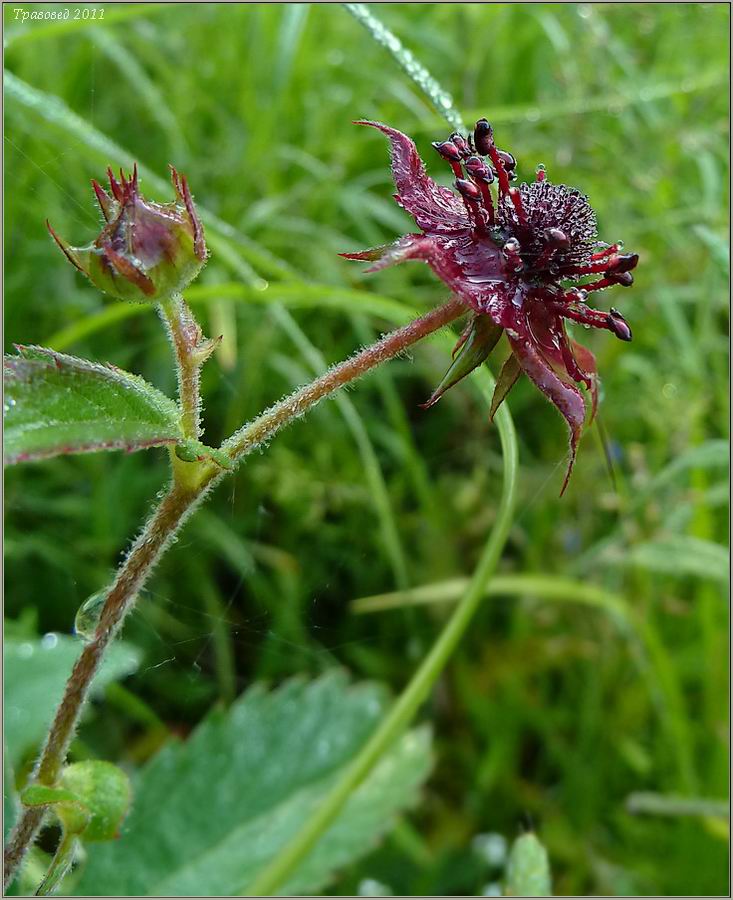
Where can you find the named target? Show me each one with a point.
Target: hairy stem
(168, 518)
(272, 420)
(146, 551)
(185, 336)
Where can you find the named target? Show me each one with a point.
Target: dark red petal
(411, 246)
(564, 396)
(510, 372)
(434, 208)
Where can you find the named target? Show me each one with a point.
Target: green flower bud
(103, 793)
(147, 251)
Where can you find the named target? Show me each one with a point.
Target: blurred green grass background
(552, 713)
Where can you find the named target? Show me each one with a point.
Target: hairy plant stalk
(175, 507)
(272, 420)
(168, 517)
(185, 334)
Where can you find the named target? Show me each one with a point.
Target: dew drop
(87, 616)
(49, 641)
(25, 651)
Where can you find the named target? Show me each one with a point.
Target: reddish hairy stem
(147, 549)
(264, 426)
(185, 335)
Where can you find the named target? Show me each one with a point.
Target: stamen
(612, 321)
(618, 325)
(483, 137)
(452, 154)
(624, 279)
(606, 251)
(483, 176)
(616, 264)
(471, 197)
(461, 144)
(516, 199)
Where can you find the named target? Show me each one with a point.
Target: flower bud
(147, 251)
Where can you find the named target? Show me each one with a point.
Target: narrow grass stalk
(439, 97)
(275, 875)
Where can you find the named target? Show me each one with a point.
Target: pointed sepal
(481, 339)
(510, 372)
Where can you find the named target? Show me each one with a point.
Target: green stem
(275, 875)
(60, 865)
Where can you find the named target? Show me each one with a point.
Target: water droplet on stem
(87, 616)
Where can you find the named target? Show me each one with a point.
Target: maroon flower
(520, 259)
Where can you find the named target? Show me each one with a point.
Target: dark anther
(556, 238)
(618, 325)
(468, 189)
(625, 279)
(460, 143)
(478, 169)
(483, 137)
(510, 164)
(623, 262)
(448, 150)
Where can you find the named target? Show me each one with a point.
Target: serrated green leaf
(35, 675)
(210, 813)
(56, 404)
(528, 869)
